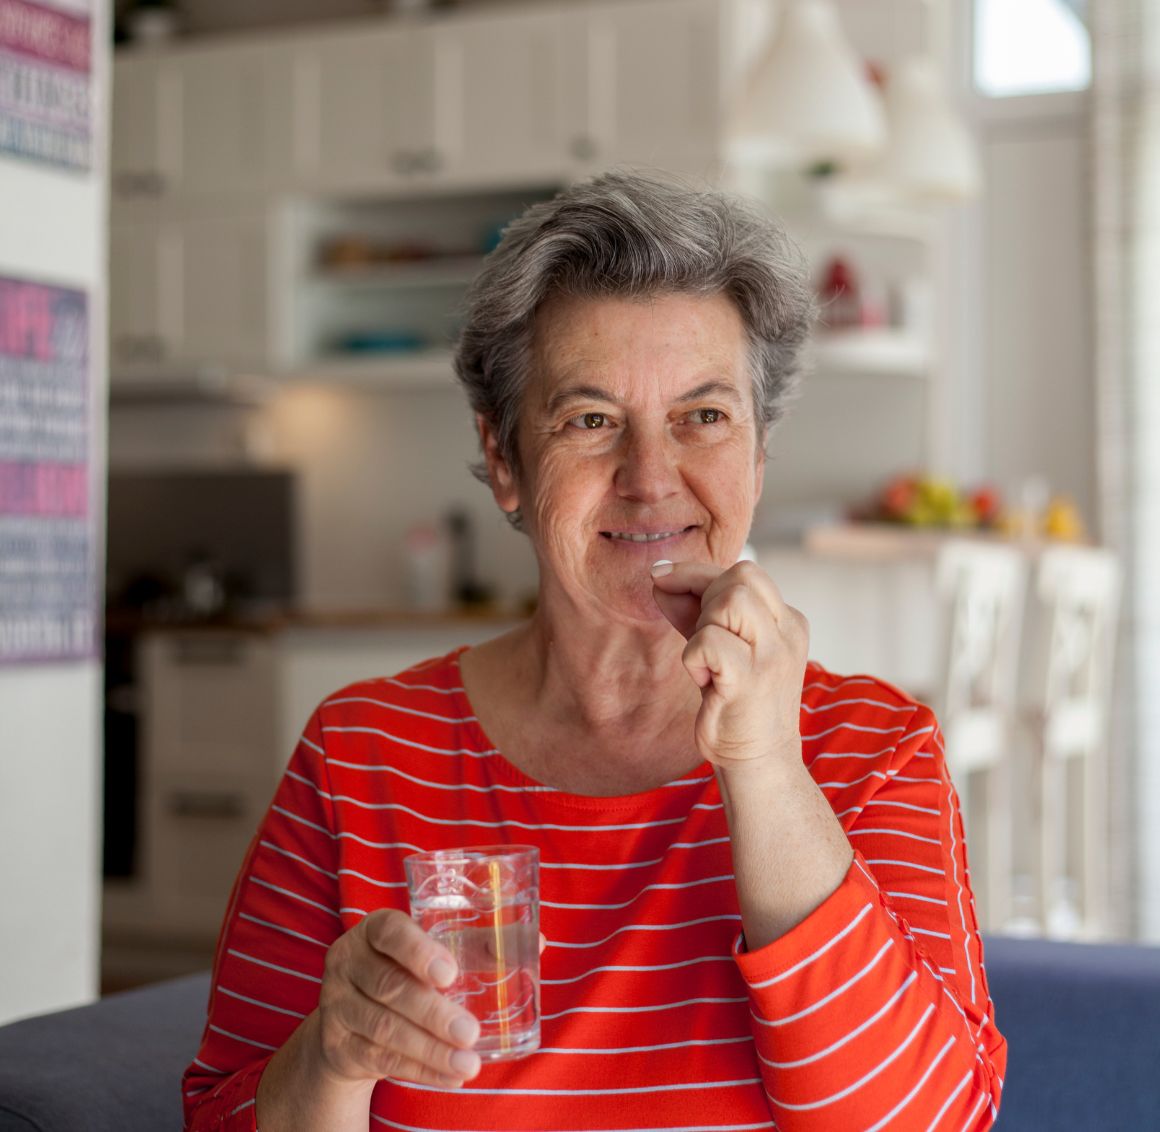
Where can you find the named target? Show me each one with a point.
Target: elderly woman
(756, 902)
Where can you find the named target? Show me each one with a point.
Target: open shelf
(884, 352)
(437, 271)
(420, 369)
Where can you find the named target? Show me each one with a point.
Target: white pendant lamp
(809, 99)
(929, 153)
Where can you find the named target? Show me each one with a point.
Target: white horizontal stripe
(915, 896)
(296, 857)
(933, 1126)
(371, 880)
(947, 970)
(209, 1068)
(273, 966)
(239, 1038)
(860, 700)
(644, 928)
(628, 967)
(883, 1064)
(312, 745)
(259, 1002)
(894, 833)
(850, 681)
(652, 1009)
(280, 928)
(921, 778)
(926, 931)
(243, 1105)
(832, 995)
(466, 752)
(860, 727)
(702, 1127)
(386, 768)
(843, 783)
(911, 1095)
(628, 1090)
(650, 1049)
(301, 820)
(848, 1037)
(633, 864)
(853, 754)
(906, 865)
(905, 806)
(353, 912)
(512, 823)
(647, 888)
(399, 707)
(417, 687)
(292, 895)
(815, 955)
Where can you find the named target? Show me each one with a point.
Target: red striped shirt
(873, 1012)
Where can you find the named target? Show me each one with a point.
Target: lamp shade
(929, 152)
(809, 98)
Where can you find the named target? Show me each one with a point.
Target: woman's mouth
(642, 536)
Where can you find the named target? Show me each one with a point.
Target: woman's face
(637, 441)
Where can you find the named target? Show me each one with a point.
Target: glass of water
(483, 904)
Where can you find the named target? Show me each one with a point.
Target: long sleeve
(874, 1011)
(281, 919)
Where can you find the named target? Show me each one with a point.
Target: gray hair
(631, 235)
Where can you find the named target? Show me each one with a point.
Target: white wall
(53, 229)
(1037, 354)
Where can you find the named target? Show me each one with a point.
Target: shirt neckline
(701, 775)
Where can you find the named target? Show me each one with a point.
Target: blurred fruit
(898, 498)
(1062, 520)
(987, 505)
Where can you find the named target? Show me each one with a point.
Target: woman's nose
(648, 469)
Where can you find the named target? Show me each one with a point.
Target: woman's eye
(706, 416)
(589, 421)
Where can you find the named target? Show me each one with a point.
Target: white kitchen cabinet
(499, 100)
(143, 158)
(233, 122)
(226, 276)
(144, 293)
(365, 108)
(188, 291)
(642, 85)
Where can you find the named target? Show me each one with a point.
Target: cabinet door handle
(429, 161)
(215, 805)
(404, 162)
(127, 184)
(213, 650)
(153, 184)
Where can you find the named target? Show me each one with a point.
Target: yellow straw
(497, 927)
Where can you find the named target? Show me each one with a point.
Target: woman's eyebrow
(711, 389)
(570, 393)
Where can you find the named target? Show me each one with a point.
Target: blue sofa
(1083, 1024)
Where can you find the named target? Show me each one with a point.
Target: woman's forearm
(789, 850)
(297, 1094)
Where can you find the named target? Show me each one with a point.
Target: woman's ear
(503, 478)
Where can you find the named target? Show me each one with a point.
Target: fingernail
(464, 1030)
(450, 1082)
(465, 1063)
(442, 972)
(661, 567)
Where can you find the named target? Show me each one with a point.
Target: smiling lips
(640, 536)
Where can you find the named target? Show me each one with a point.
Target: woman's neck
(592, 712)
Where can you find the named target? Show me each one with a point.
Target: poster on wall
(48, 582)
(45, 80)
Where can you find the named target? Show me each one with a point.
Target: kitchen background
(299, 194)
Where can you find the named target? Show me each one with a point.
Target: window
(1031, 47)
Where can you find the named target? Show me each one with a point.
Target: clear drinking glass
(483, 904)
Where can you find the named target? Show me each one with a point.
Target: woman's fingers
(399, 938)
(378, 1062)
(411, 1031)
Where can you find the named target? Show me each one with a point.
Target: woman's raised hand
(746, 651)
(380, 1013)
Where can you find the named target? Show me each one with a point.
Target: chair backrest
(1069, 657)
(981, 588)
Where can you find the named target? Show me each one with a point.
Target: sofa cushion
(1082, 1025)
(114, 1066)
